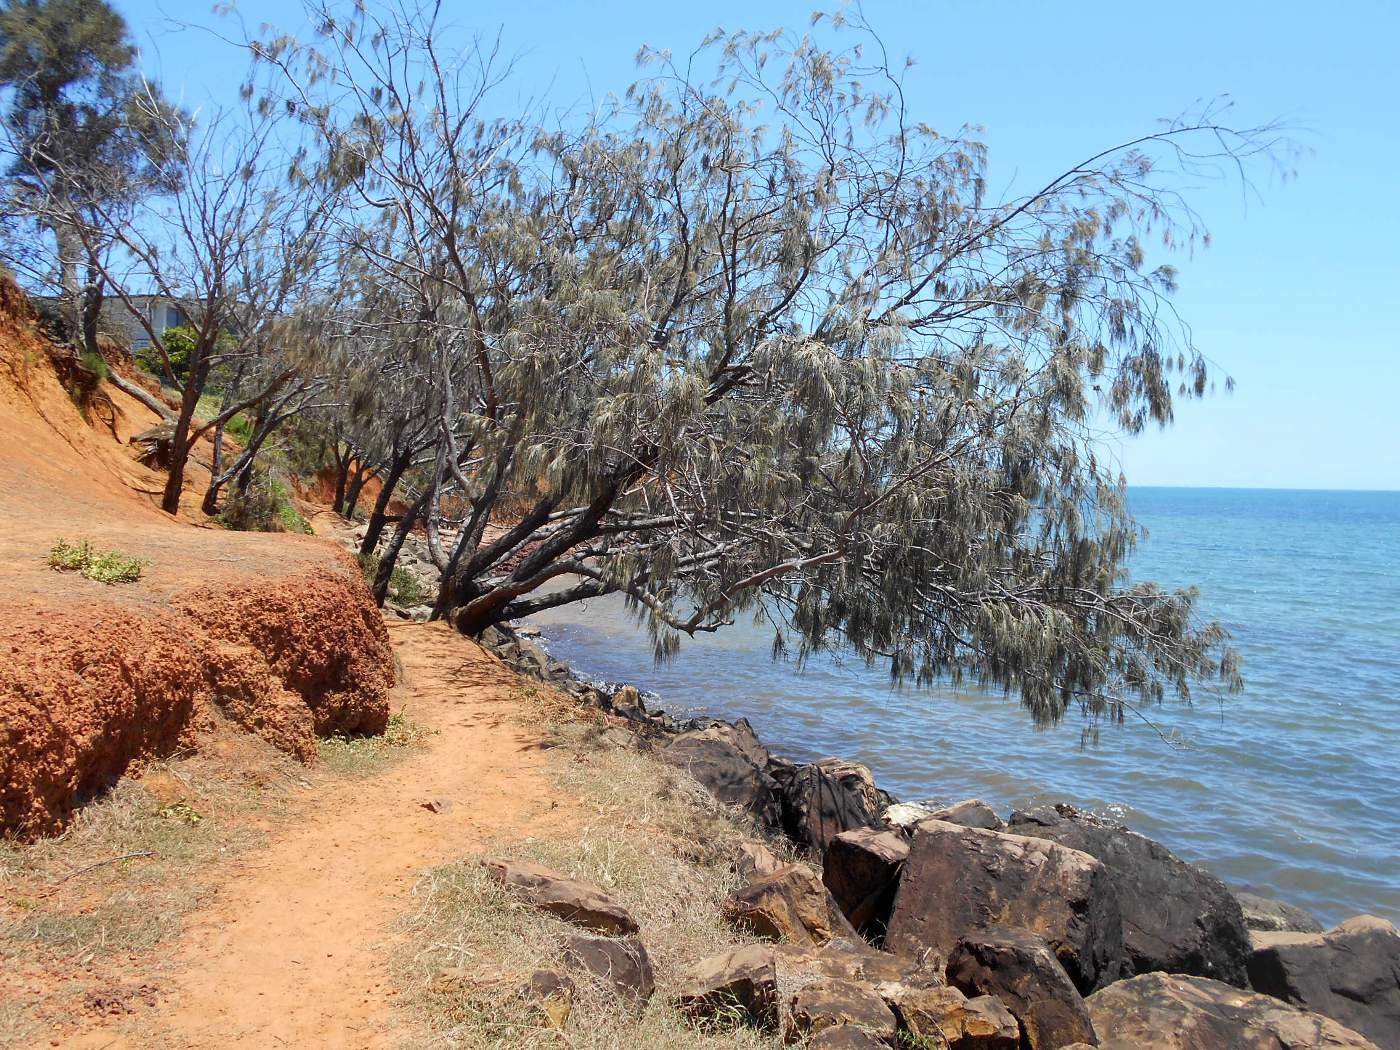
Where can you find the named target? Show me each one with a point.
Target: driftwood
(155, 445)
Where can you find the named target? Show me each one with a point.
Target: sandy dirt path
(293, 950)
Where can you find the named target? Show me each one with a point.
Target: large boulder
(787, 905)
(1159, 1011)
(1271, 916)
(861, 869)
(1019, 968)
(943, 1017)
(620, 962)
(958, 880)
(833, 1003)
(735, 987)
(970, 813)
(1350, 973)
(574, 900)
(823, 799)
(1177, 917)
(724, 765)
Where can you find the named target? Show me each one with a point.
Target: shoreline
(525, 650)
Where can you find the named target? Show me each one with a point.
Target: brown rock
(736, 987)
(958, 880)
(846, 1037)
(722, 765)
(574, 900)
(861, 869)
(825, 798)
(1177, 917)
(798, 965)
(1350, 974)
(788, 905)
(971, 813)
(1019, 968)
(1160, 1011)
(1261, 913)
(621, 962)
(832, 1002)
(941, 1016)
(756, 859)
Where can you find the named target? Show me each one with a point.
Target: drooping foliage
(760, 343)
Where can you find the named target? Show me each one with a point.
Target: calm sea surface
(1291, 789)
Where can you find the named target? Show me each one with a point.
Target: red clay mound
(278, 631)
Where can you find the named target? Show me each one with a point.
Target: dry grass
(366, 755)
(654, 838)
(78, 909)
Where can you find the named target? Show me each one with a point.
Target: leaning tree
(759, 343)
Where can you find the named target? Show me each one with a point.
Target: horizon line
(1260, 488)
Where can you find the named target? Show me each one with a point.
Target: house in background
(162, 312)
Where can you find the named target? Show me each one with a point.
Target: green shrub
(102, 566)
(265, 506)
(94, 363)
(404, 588)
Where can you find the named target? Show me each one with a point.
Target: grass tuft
(102, 566)
(363, 755)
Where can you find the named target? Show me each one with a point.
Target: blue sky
(1295, 296)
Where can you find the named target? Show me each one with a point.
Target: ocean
(1290, 789)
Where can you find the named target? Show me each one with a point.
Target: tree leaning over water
(758, 342)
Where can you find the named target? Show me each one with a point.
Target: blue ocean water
(1291, 788)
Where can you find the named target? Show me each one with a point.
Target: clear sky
(1297, 294)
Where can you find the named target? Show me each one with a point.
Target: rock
(1177, 917)
(958, 880)
(755, 859)
(833, 1002)
(970, 813)
(800, 965)
(1350, 973)
(726, 771)
(1261, 913)
(943, 1013)
(627, 702)
(550, 992)
(1158, 1011)
(846, 1037)
(904, 815)
(574, 900)
(787, 905)
(619, 961)
(740, 986)
(553, 995)
(1019, 968)
(861, 869)
(823, 799)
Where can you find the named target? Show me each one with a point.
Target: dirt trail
(293, 950)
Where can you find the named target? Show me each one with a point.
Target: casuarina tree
(759, 342)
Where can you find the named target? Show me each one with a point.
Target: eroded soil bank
(278, 632)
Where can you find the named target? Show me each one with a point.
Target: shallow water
(1291, 789)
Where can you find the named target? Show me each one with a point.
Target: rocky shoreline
(1080, 930)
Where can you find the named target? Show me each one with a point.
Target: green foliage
(404, 588)
(265, 506)
(96, 364)
(103, 566)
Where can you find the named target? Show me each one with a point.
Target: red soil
(279, 631)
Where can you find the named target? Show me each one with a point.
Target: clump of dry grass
(367, 755)
(655, 839)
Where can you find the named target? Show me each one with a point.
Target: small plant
(405, 588)
(362, 755)
(265, 506)
(102, 566)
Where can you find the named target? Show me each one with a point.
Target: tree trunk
(375, 529)
(342, 472)
(362, 473)
(210, 506)
(390, 557)
(180, 440)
